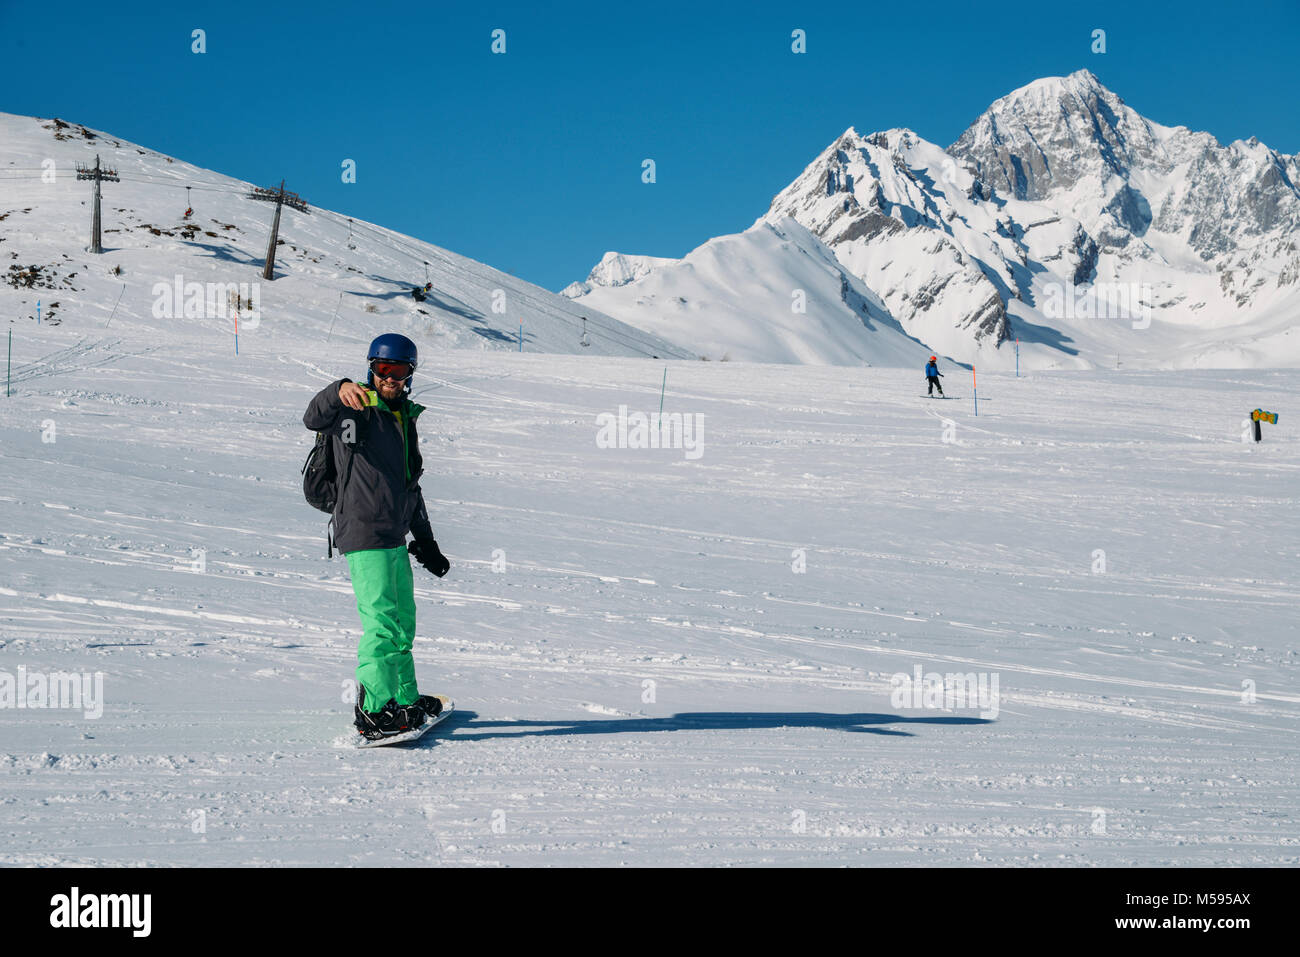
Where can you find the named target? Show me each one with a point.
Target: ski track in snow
(641, 677)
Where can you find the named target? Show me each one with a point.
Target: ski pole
(336, 311)
(115, 305)
(661, 394)
(521, 337)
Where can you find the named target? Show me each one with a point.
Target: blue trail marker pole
(9, 362)
(975, 390)
(38, 312)
(1017, 357)
(521, 337)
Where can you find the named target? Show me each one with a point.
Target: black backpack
(320, 479)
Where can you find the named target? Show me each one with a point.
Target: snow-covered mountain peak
(1072, 141)
(614, 269)
(1062, 218)
(1054, 132)
(1047, 90)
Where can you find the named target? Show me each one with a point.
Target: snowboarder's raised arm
(323, 411)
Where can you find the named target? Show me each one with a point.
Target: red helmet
(934, 358)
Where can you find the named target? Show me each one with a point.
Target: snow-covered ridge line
(1062, 229)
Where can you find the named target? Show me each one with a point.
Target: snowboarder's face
(390, 378)
(389, 389)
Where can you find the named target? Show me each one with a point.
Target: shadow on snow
(468, 727)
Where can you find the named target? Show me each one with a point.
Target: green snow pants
(381, 579)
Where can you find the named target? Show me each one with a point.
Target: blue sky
(531, 161)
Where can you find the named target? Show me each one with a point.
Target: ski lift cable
(614, 336)
(199, 186)
(610, 335)
(385, 238)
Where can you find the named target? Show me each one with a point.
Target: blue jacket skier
(933, 375)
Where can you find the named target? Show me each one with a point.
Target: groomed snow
(1126, 732)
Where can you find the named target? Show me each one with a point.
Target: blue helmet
(394, 347)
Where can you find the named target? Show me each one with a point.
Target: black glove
(426, 552)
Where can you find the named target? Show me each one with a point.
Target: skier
(377, 456)
(933, 375)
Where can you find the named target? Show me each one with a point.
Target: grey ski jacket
(379, 499)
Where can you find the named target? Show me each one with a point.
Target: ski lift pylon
(189, 206)
(584, 340)
(351, 244)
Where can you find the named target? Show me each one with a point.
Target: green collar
(404, 406)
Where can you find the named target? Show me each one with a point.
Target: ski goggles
(386, 369)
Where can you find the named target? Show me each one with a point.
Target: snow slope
(643, 675)
(322, 291)
(772, 294)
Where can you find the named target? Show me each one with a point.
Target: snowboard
(448, 706)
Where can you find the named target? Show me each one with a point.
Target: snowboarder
(376, 453)
(933, 375)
